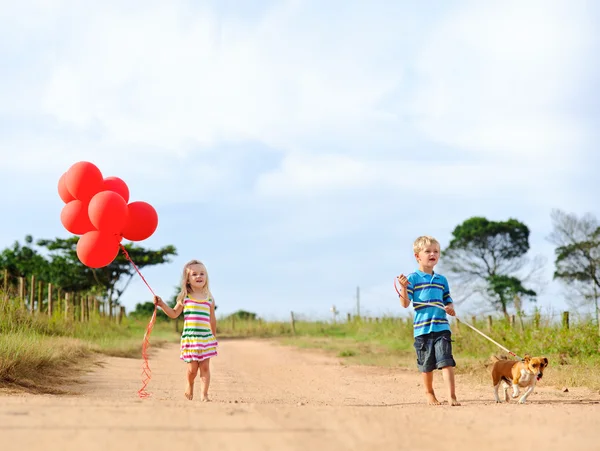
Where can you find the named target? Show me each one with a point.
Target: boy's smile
(428, 257)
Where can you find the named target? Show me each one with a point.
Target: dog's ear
(526, 358)
(545, 361)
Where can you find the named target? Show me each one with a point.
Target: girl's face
(197, 276)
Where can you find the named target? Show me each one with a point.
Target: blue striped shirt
(427, 291)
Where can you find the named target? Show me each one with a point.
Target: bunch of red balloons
(97, 208)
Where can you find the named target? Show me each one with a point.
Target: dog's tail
(495, 358)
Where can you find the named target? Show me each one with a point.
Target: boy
(430, 295)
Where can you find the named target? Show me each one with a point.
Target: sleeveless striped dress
(197, 340)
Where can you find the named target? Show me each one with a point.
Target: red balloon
(83, 180)
(118, 186)
(97, 249)
(63, 192)
(74, 217)
(142, 221)
(108, 212)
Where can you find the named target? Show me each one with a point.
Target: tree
(488, 256)
(23, 260)
(113, 279)
(577, 261)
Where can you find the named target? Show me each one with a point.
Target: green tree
(22, 261)
(111, 280)
(577, 261)
(488, 256)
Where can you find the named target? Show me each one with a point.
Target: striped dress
(197, 340)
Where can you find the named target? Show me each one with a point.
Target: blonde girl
(198, 339)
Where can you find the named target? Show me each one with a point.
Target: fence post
(489, 323)
(349, 317)
(565, 320)
(121, 313)
(49, 299)
(32, 295)
(22, 290)
(512, 321)
(82, 308)
(67, 310)
(293, 323)
(473, 320)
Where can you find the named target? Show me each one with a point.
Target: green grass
(37, 350)
(573, 352)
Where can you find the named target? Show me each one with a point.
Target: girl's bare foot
(454, 402)
(432, 400)
(205, 399)
(189, 391)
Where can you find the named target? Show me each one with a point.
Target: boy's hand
(450, 310)
(402, 280)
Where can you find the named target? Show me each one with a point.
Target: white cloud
(497, 78)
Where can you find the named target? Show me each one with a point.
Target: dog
(515, 374)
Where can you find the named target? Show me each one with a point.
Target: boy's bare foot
(189, 391)
(454, 402)
(432, 400)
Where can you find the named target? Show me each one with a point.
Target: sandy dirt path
(270, 397)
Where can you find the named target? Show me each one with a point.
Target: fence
(38, 297)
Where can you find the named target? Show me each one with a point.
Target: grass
(37, 351)
(573, 352)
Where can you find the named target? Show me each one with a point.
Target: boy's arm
(448, 302)
(405, 292)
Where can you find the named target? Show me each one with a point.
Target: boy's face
(428, 256)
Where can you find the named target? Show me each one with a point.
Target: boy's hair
(423, 241)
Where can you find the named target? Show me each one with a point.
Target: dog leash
(464, 322)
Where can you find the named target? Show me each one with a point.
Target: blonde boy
(430, 295)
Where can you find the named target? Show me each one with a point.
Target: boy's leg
(448, 373)
(445, 361)
(426, 365)
(429, 393)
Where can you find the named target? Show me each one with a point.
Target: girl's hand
(158, 301)
(403, 280)
(450, 310)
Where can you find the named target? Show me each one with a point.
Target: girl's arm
(213, 318)
(171, 312)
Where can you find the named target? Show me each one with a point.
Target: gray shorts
(434, 351)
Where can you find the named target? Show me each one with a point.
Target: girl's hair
(423, 241)
(185, 281)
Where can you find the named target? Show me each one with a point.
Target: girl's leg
(429, 393)
(448, 373)
(204, 378)
(192, 371)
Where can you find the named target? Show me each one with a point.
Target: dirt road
(269, 397)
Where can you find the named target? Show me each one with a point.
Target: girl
(198, 339)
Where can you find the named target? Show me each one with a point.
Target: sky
(299, 147)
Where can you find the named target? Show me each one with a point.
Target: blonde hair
(423, 241)
(186, 288)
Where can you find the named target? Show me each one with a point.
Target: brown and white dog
(515, 374)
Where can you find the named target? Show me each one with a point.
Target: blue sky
(299, 147)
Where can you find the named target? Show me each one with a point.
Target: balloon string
(146, 372)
